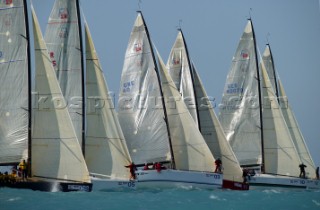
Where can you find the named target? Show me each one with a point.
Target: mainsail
(14, 83)
(106, 149)
(140, 104)
(239, 109)
(65, 49)
(179, 67)
(56, 152)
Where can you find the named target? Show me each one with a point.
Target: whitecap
(316, 202)
(14, 199)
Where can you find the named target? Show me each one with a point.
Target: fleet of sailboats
(254, 123)
(74, 140)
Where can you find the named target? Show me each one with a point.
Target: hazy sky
(212, 29)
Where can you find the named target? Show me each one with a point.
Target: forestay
(106, 150)
(189, 148)
(56, 152)
(140, 105)
(280, 154)
(13, 82)
(64, 46)
(239, 109)
(179, 67)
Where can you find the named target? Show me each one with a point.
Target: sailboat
(55, 158)
(189, 84)
(288, 114)
(254, 124)
(106, 149)
(157, 126)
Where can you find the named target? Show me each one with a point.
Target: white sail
(296, 133)
(56, 152)
(239, 109)
(190, 150)
(140, 105)
(179, 67)
(267, 60)
(64, 46)
(280, 155)
(213, 134)
(13, 82)
(106, 150)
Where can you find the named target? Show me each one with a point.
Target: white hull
(169, 178)
(105, 184)
(267, 180)
(164, 179)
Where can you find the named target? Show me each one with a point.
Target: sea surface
(175, 199)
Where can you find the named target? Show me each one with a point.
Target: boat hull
(48, 186)
(267, 180)
(177, 178)
(233, 185)
(105, 184)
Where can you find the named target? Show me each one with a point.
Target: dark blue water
(195, 199)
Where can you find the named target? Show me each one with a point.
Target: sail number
(130, 184)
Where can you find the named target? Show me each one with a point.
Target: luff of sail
(239, 109)
(14, 82)
(189, 148)
(64, 45)
(213, 134)
(140, 105)
(280, 153)
(179, 67)
(106, 150)
(56, 152)
(296, 133)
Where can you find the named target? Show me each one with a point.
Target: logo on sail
(245, 54)
(63, 13)
(138, 47)
(7, 20)
(6, 2)
(54, 62)
(175, 61)
(63, 33)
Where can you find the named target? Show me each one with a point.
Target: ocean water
(175, 199)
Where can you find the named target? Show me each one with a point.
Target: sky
(212, 29)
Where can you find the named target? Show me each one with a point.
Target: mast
(260, 98)
(29, 85)
(192, 77)
(274, 73)
(160, 87)
(82, 79)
